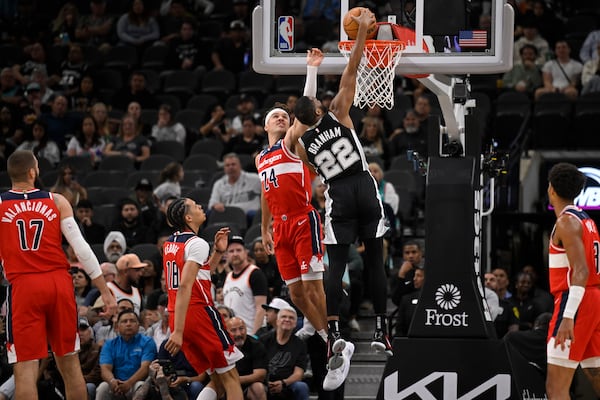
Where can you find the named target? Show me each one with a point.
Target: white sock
(323, 334)
(207, 394)
(308, 326)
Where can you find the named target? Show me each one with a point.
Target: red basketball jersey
(285, 179)
(179, 248)
(560, 270)
(30, 235)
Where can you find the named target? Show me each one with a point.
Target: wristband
(575, 296)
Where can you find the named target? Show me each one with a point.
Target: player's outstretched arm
(314, 58)
(341, 103)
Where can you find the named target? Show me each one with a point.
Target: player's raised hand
(366, 17)
(314, 57)
(221, 239)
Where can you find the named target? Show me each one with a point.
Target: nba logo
(285, 27)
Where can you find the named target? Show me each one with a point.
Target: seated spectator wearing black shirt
(92, 232)
(130, 224)
(231, 51)
(253, 367)
(72, 71)
(95, 29)
(59, 123)
(248, 142)
(143, 195)
(410, 136)
(135, 91)
(531, 344)
(184, 52)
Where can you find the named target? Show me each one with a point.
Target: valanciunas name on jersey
(28, 206)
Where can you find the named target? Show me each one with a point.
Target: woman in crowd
(166, 128)
(67, 185)
(39, 143)
(100, 114)
(169, 182)
(82, 284)
(87, 142)
(128, 142)
(373, 140)
(137, 27)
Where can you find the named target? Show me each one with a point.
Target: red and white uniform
(206, 342)
(37, 270)
(587, 319)
(297, 234)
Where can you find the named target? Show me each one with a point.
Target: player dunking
(353, 204)
(574, 332)
(196, 325)
(41, 304)
(297, 237)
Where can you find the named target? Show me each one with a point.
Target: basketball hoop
(376, 71)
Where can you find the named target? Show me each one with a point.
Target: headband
(275, 110)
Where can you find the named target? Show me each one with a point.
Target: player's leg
(593, 374)
(230, 380)
(558, 381)
(70, 369)
(26, 379)
(256, 391)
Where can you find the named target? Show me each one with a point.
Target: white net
(375, 77)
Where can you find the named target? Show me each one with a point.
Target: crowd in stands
(129, 105)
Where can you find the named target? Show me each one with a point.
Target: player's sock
(207, 394)
(381, 322)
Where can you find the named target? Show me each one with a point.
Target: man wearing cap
(143, 195)
(287, 359)
(131, 224)
(246, 108)
(89, 355)
(231, 52)
(245, 289)
(84, 214)
(129, 271)
(271, 311)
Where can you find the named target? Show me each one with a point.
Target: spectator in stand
(31, 105)
(287, 357)
(60, 124)
(591, 67)
(402, 281)
(219, 274)
(67, 185)
(245, 289)
(524, 305)
(124, 360)
(137, 27)
(11, 135)
(525, 76)
(109, 271)
(248, 142)
(134, 109)
(253, 367)
(386, 190)
(589, 46)
(63, 27)
(40, 77)
(160, 331)
(532, 344)
(562, 74)
(107, 329)
(271, 311)
(40, 144)
(373, 141)
(89, 356)
(136, 91)
(72, 71)
(36, 61)
(100, 114)
(184, 49)
(550, 26)
(169, 182)
(87, 142)
(143, 195)
(541, 295)
(217, 126)
(242, 11)
(166, 128)
(423, 110)
(236, 188)
(268, 265)
(95, 29)
(85, 95)
(170, 22)
(231, 51)
(125, 284)
(408, 304)
(502, 282)
(114, 246)
(131, 225)
(81, 283)
(246, 107)
(84, 214)
(129, 142)
(410, 136)
(532, 37)
(11, 91)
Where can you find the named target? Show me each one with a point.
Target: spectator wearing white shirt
(562, 74)
(166, 128)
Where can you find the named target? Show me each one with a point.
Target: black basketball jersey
(333, 149)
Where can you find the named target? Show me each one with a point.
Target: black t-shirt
(254, 357)
(284, 358)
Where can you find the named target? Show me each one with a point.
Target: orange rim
(398, 45)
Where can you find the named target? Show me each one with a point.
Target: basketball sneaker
(381, 343)
(338, 364)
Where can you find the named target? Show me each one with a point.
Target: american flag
(472, 38)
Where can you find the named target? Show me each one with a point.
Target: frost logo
(447, 296)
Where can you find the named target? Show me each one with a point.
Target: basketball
(351, 26)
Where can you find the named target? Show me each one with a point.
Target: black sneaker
(381, 343)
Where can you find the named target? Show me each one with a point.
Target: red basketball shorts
(41, 312)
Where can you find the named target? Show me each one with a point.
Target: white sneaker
(353, 324)
(307, 330)
(338, 364)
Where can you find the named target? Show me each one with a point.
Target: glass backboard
(462, 36)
